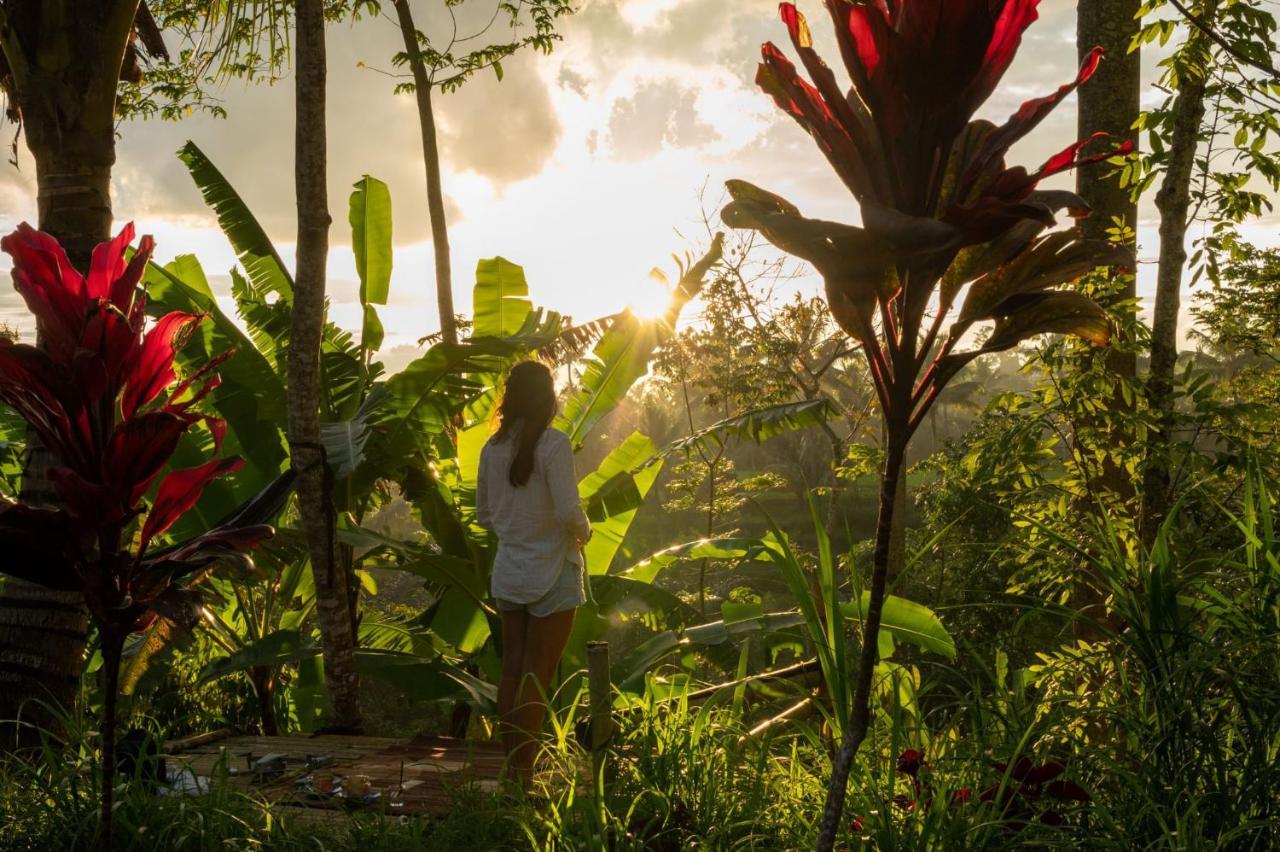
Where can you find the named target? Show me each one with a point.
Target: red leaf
(1067, 790)
(1022, 122)
(869, 27)
(1044, 772)
(1015, 17)
(217, 541)
(151, 369)
(43, 394)
(847, 132)
(208, 384)
(910, 761)
(51, 287)
(1069, 158)
(124, 291)
(140, 448)
(179, 491)
(218, 429)
(108, 343)
(107, 264)
(90, 504)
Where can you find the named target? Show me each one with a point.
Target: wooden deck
(419, 776)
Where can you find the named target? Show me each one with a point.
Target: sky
(587, 167)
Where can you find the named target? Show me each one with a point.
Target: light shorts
(567, 592)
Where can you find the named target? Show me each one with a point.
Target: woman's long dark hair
(528, 405)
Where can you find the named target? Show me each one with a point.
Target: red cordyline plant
(101, 395)
(942, 217)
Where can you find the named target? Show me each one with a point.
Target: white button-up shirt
(539, 524)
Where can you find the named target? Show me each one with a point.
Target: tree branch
(1200, 24)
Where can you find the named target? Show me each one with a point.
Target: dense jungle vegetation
(969, 546)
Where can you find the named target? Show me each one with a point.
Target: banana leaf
(500, 303)
(254, 249)
(369, 213)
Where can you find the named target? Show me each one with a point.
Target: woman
(527, 494)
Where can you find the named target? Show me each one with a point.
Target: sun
(650, 297)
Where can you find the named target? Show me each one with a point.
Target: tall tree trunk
(315, 502)
(860, 722)
(1110, 103)
(431, 160)
(1174, 203)
(63, 66)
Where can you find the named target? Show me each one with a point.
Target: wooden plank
(419, 776)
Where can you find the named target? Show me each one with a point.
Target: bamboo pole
(786, 715)
(180, 745)
(794, 670)
(601, 698)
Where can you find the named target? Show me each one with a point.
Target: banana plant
(259, 627)
(613, 492)
(423, 427)
(372, 427)
(825, 616)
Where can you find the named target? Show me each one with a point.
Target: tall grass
(1168, 725)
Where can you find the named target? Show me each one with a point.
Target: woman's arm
(484, 514)
(562, 481)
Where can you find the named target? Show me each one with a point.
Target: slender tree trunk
(315, 504)
(860, 721)
(1174, 203)
(431, 159)
(112, 647)
(898, 538)
(710, 528)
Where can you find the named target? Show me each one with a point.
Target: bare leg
(545, 640)
(514, 626)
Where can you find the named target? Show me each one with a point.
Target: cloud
(573, 81)
(658, 114)
(503, 130)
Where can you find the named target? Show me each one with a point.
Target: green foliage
(1238, 161)
(204, 44)
(258, 257)
(501, 301)
(510, 26)
(1239, 316)
(13, 440)
(370, 218)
